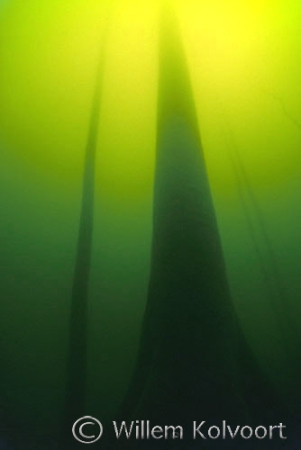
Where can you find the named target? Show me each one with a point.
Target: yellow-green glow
(244, 62)
(127, 129)
(243, 59)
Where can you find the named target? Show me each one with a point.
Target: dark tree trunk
(194, 362)
(77, 357)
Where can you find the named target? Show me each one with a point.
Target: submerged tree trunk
(77, 357)
(194, 362)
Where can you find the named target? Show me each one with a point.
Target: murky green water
(244, 66)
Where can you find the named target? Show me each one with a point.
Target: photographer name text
(88, 430)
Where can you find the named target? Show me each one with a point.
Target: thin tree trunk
(77, 356)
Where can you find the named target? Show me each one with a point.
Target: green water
(249, 117)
